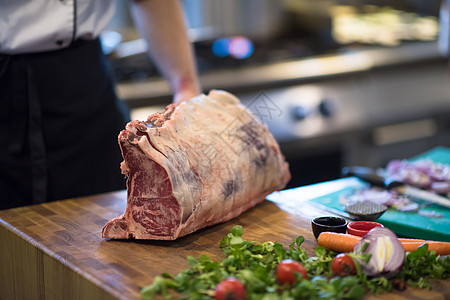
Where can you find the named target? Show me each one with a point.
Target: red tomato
(286, 271)
(230, 288)
(343, 265)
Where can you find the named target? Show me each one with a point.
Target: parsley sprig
(254, 264)
(421, 265)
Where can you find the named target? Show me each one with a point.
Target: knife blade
(334, 211)
(372, 177)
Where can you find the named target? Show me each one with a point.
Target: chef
(59, 115)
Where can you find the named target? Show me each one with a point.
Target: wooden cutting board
(55, 250)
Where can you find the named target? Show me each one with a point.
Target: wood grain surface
(55, 250)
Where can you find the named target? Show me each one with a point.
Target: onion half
(387, 253)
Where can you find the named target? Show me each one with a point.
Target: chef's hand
(186, 92)
(161, 24)
(184, 97)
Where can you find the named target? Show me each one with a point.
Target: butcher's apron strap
(19, 106)
(36, 142)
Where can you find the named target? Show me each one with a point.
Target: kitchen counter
(55, 250)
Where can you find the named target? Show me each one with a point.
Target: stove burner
(139, 67)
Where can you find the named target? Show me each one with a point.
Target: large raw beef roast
(196, 164)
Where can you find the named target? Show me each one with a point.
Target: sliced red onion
(381, 196)
(387, 252)
(430, 214)
(441, 187)
(424, 173)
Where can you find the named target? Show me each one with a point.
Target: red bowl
(361, 228)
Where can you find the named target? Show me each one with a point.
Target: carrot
(342, 242)
(441, 248)
(403, 240)
(339, 242)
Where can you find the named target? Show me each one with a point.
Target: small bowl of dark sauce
(328, 223)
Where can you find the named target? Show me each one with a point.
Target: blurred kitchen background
(337, 82)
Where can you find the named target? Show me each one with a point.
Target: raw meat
(202, 162)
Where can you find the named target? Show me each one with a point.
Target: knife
(372, 177)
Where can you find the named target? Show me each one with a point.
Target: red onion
(441, 187)
(387, 252)
(423, 173)
(381, 196)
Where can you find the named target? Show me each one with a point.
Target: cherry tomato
(286, 271)
(230, 288)
(343, 265)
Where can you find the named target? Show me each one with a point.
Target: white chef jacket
(43, 25)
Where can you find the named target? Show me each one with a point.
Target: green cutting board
(438, 154)
(404, 224)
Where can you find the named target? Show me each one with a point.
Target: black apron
(59, 122)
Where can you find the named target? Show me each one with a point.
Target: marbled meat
(199, 163)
